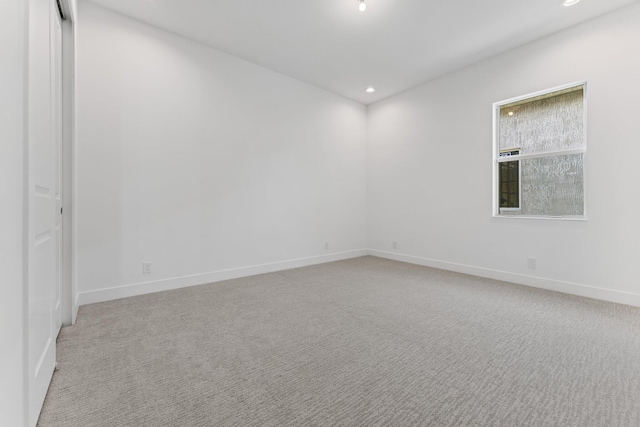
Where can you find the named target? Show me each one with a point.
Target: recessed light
(370, 90)
(511, 113)
(570, 2)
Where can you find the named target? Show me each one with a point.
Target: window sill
(551, 217)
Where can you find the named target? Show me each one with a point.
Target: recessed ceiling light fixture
(370, 90)
(570, 2)
(363, 6)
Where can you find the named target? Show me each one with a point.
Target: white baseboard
(76, 306)
(134, 289)
(521, 279)
(124, 291)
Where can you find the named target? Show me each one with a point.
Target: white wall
(12, 289)
(438, 210)
(199, 162)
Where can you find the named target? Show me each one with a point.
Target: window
(539, 151)
(509, 178)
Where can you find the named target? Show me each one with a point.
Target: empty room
(329, 213)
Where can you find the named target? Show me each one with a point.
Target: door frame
(69, 289)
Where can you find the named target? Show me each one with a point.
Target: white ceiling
(392, 46)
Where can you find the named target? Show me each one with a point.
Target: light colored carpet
(363, 342)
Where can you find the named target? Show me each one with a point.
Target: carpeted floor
(362, 342)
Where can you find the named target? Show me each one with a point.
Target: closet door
(43, 199)
(56, 128)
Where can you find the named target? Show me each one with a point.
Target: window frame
(496, 159)
(510, 150)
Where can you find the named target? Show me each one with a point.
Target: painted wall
(12, 282)
(430, 167)
(201, 163)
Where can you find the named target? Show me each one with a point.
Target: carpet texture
(362, 342)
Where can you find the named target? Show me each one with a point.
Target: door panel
(56, 92)
(43, 165)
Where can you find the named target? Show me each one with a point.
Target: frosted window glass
(552, 186)
(548, 124)
(534, 131)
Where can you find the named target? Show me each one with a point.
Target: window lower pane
(552, 186)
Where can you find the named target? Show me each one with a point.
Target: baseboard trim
(76, 307)
(135, 289)
(520, 279)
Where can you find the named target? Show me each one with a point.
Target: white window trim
(496, 160)
(511, 158)
(541, 154)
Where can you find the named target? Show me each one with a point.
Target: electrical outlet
(531, 263)
(146, 268)
(326, 246)
(395, 245)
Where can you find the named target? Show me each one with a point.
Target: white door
(43, 247)
(56, 97)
